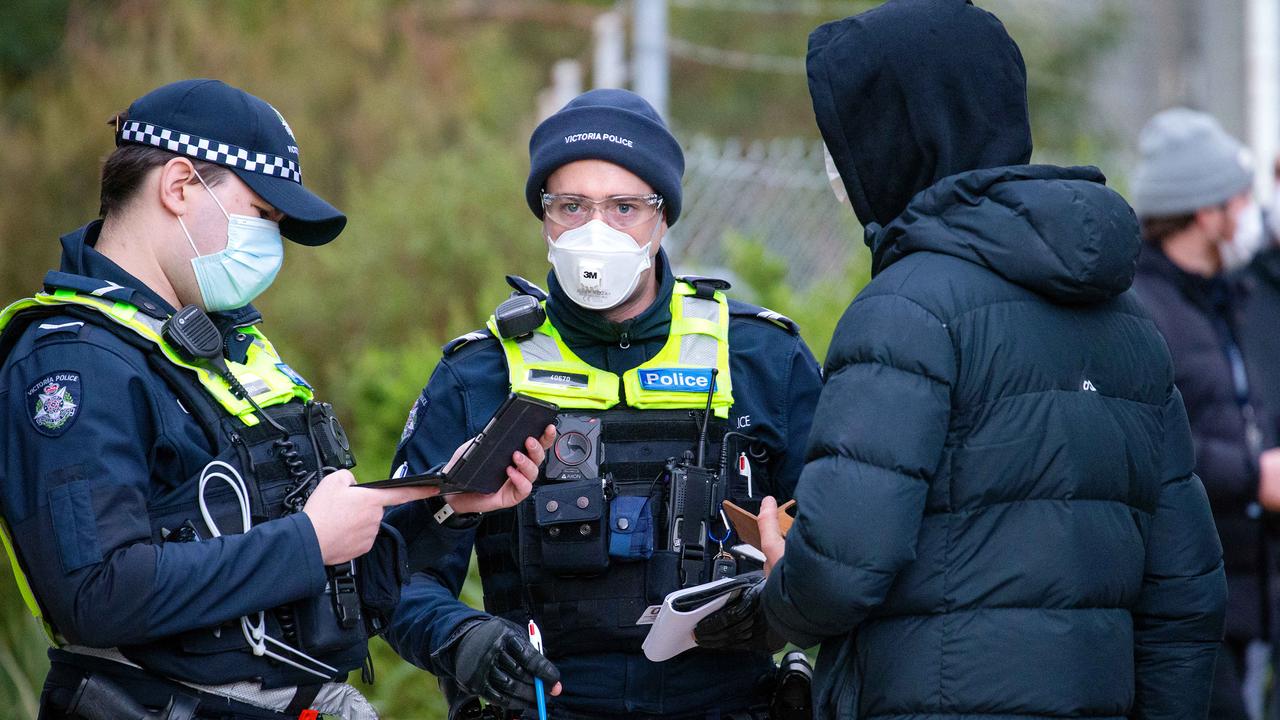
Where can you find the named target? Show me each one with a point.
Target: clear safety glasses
(618, 211)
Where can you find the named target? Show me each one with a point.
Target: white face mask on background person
(833, 177)
(1249, 238)
(1273, 217)
(245, 268)
(597, 266)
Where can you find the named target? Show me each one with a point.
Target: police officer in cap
(644, 366)
(176, 503)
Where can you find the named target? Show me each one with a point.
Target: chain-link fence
(773, 192)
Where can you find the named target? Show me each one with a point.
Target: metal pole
(1262, 32)
(649, 69)
(609, 64)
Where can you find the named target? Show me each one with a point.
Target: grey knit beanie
(1188, 162)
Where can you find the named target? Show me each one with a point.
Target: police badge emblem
(53, 402)
(412, 424)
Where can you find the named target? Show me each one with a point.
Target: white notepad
(672, 631)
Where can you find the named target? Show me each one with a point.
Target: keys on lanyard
(723, 565)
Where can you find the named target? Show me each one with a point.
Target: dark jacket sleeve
(77, 504)
(804, 384)
(876, 442)
(1179, 617)
(429, 614)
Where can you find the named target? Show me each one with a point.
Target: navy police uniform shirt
(90, 435)
(775, 385)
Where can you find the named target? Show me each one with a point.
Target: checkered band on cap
(210, 150)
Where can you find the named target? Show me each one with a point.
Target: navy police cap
(212, 121)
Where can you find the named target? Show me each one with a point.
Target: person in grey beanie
(634, 357)
(1192, 194)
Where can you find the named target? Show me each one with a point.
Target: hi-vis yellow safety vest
(263, 376)
(678, 377)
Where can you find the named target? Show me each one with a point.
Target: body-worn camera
(576, 454)
(331, 439)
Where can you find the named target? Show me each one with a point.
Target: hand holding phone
(521, 474)
(482, 464)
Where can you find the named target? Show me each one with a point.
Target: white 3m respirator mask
(597, 266)
(1250, 237)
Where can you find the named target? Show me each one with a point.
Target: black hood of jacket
(1057, 231)
(915, 91)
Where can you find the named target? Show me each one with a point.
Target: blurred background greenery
(413, 117)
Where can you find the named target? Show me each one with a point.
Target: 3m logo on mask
(697, 380)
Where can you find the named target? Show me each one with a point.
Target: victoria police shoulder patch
(53, 402)
(412, 424)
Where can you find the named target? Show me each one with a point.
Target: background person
(1192, 192)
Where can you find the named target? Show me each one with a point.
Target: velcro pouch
(572, 527)
(631, 528)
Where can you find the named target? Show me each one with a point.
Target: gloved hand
(740, 624)
(494, 660)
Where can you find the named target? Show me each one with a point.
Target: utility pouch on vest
(381, 573)
(330, 622)
(572, 529)
(630, 528)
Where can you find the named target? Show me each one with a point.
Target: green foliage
(816, 308)
(22, 651)
(33, 33)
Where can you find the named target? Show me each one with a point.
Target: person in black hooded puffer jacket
(998, 515)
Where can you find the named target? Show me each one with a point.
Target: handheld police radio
(691, 501)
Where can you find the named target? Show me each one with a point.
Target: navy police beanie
(617, 126)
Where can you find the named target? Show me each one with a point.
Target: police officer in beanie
(642, 365)
(177, 505)
(1193, 192)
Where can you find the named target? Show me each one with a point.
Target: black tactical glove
(740, 624)
(494, 660)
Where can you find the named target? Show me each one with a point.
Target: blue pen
(535, 637)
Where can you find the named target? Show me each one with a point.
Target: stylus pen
(535, 637)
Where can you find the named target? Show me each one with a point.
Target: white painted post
(1262, 32)
(650, 65)
(609, 61)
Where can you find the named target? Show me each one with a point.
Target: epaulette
(524, 286)
(461, 341)
(742, 309)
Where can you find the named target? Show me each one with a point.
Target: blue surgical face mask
(244, 269)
